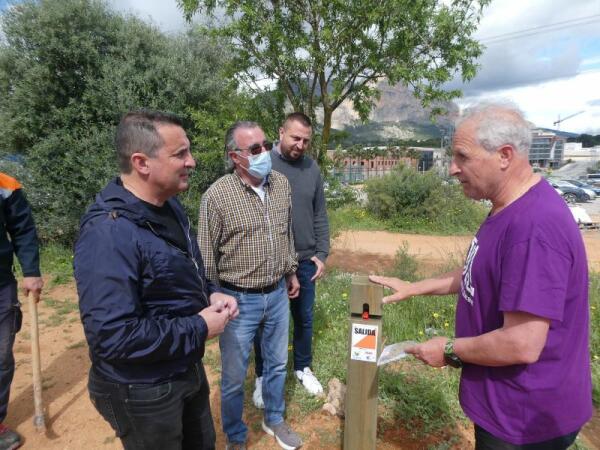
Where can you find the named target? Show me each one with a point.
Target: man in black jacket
(16, 223)
(146, 306)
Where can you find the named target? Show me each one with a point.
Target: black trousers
(173, 415)
(10, 324)
(485, 441)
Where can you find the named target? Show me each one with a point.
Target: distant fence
(358, 174)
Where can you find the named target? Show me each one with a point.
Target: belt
(261, 290)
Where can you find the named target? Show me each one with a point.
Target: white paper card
(394, 352)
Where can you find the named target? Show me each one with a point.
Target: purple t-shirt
(530, 258)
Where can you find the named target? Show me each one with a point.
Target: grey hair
(498, 124)
(230, 144)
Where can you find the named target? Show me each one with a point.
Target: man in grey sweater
(311, 237)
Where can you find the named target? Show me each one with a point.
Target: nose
(190, 162)
(454, 170)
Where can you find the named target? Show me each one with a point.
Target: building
(353, 168)
(547, 149)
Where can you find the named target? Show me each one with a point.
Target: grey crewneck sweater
(309, 213)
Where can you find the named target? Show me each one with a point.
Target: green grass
(78, 344)
(61, 307)
(355, 217)
(57, 261)
(61, 310)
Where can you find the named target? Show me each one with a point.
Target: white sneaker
(309, 381)
(257, 395)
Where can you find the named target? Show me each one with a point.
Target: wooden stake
(365, 340)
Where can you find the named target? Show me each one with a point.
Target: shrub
(411, 201)
(338, 194)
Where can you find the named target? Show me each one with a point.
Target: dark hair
(298, 117)
(137, 133)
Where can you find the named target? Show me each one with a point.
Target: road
(573, 170)
(592, 208)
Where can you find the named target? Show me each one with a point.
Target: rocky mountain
(398, 116)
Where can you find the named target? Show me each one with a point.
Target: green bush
(337, 194)
(411, 201)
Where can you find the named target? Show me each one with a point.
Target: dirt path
(371, 251)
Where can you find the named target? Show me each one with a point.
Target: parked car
(571, 193)
(593, 179)
(562, 183)
(585, 186)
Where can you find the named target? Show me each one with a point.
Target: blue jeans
(269, 312)
(171, 415)
(10, 323)
(302, 313)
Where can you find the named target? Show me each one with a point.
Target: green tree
(68, 70)
(322, 52)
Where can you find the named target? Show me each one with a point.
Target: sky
(543, 55)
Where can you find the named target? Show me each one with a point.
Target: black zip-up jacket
(139, 294)
(16, 222)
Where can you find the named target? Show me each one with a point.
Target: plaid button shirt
(245, 241)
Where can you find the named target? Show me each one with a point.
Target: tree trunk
(322, 155)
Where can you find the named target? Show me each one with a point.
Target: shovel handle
(36, 368)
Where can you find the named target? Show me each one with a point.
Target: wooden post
(36, 368)
(365, 342)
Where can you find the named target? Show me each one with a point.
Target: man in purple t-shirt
(522, 318)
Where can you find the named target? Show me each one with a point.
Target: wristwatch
(450, 357)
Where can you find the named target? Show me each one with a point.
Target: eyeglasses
(255, 149)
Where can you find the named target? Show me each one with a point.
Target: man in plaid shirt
(245, 234)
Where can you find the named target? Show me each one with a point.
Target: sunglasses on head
(255, 149)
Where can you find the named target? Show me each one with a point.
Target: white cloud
(545, 102)
(544, 56)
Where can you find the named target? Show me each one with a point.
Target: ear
(507, 154)
(234, 156)
(281, 131)
(139, 163)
